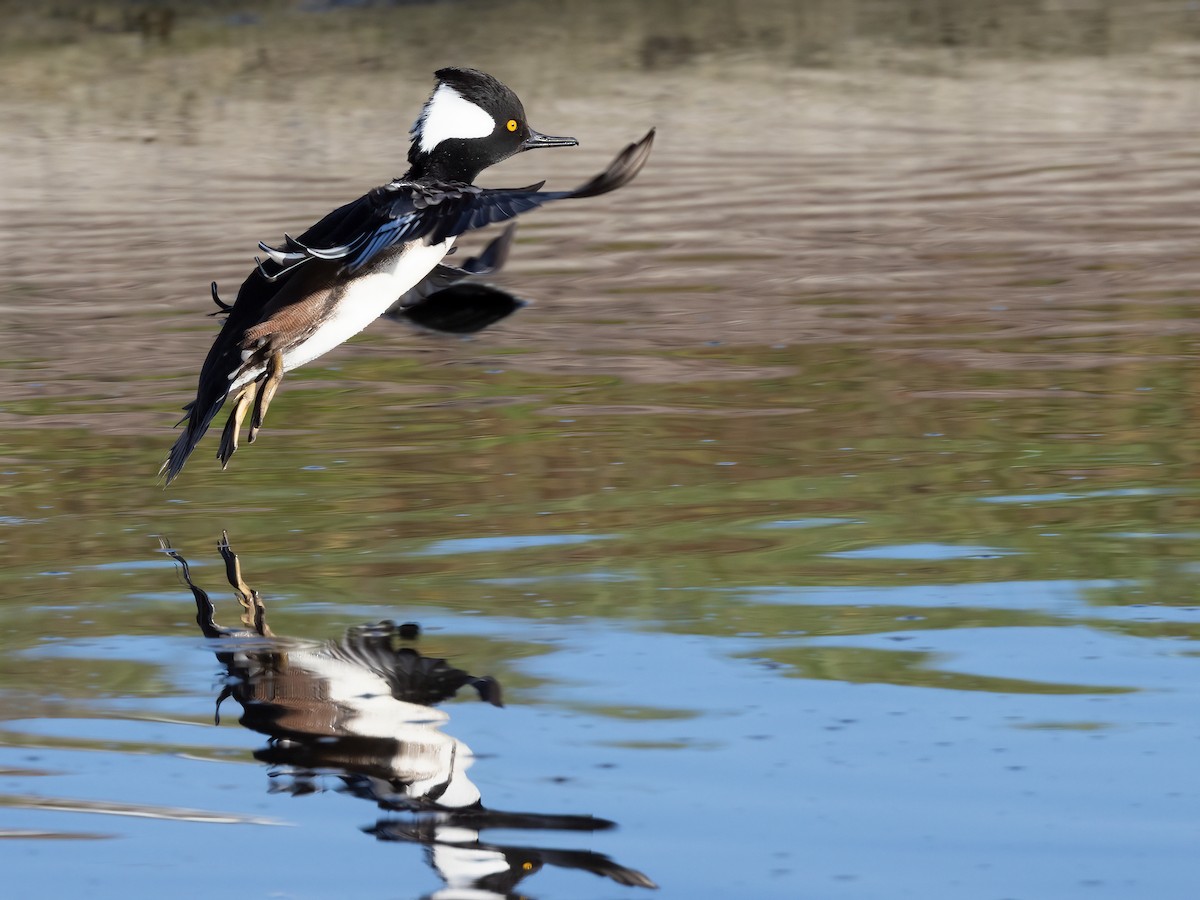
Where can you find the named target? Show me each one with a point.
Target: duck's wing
(496, 205)
(405, 211)
(461, 308)
(442, 276)
(443, 302)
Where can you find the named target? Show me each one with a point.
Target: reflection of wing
(402, 211)
(596, 863)
(411, 677)
(479, 818)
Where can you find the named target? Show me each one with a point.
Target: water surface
(829, 519)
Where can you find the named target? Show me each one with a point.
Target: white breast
(367, 298)
(363, 301)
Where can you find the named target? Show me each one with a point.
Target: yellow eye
(512, 125)
(527, 865)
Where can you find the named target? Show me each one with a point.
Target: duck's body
(314, 314)
(320, 289)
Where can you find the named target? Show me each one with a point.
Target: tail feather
(197, 424)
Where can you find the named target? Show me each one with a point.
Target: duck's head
(471, 121)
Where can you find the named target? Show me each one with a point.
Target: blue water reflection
(616, 718)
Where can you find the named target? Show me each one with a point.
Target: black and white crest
(466, 104)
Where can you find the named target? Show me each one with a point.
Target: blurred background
(829, 516)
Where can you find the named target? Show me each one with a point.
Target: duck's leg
(266, 392)
(254, 611)
(204, 606)
(229, 437)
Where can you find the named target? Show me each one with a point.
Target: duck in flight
(384, 249)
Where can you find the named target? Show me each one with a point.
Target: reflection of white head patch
(449, 115)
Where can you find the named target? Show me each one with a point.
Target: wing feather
(407, 211)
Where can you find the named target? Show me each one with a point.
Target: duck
(381, 253)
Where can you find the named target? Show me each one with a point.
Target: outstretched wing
(405, 211)
(496, 205)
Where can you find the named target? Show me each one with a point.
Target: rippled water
(828, 521)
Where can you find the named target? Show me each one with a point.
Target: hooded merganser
(322, 288)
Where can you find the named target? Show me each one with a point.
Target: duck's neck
(446, 163)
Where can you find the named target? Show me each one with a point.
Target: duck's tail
(196, 425)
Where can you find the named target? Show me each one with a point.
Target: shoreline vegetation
(47, 51)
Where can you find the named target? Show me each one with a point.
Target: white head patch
(450, 115)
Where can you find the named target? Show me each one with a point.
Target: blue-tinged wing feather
(388, 234)
(405, 211)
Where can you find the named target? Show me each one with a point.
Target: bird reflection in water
(362, 709)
